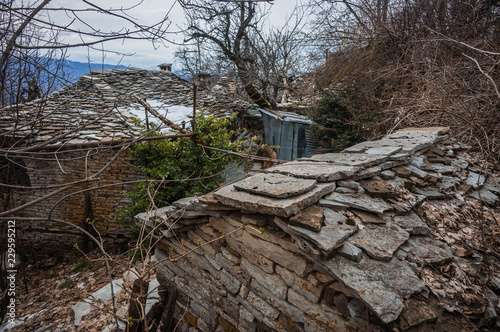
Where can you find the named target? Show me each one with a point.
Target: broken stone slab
(190, 204)
(367, 217)
(443, 169)
(378, 188)
(402, 171)
(337, 228)
(386, 175)
(345, 190)
(485, 195)
(383, 150)
(415, 171)
(401, 157)
(332, 205)
(382, 286)
(408, 205)
(213, 204)
(320, 171)
(419, 161)
(411, 223)
(310, 218)
(361, 202)
(448, 182)
(349, 159)
(431, 193)
(104, 294)
(492, 184)
(475, 180)
(351, 252)
(415, 313)
(426, 249)
(439, 130)
(275, 185)
(266, 205)
(380, 241)
(351, 185)
(80, 310)
(459, 162)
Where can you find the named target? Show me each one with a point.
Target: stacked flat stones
(326, 239)
(97, 107)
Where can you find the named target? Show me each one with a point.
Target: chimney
(166, 66)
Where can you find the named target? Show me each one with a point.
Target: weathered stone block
(267, 205)
(260, 304)
(383, 289)
(275, 185)
(380, 241)
(322, 172)
(271, 282)
(304, 287)
(361, 202)
(310, 218)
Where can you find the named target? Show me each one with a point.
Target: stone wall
(379, 237)
(48, 237)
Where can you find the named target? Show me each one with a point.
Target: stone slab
(332, 205)
(331, 236)
(383, 150)
(80, 310)
(380, 241)
(350, 159)
(448, 182)
(411, 223)
(431, 193)
(427, 249)
(361, 202)
(415, 313)
(475, 180)
(320, 171)
(485, 195)
(310, 218)
(367, 217)
(267, 205)
(104, 294)
(376, 188)
(275, 185)
(382, 286)
(351, 252)
(190, 204)
(443, 169)
(492, 184)
(439, 130)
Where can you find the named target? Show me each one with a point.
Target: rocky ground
(49, 288)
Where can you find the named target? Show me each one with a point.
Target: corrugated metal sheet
(288, 131)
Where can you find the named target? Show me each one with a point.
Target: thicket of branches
(415, 63)
(235, 38)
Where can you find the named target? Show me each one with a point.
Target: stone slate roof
(381, 218)
(97, 107)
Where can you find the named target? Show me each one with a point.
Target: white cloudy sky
(145, 55)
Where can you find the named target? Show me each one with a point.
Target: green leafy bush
(334, 122)
(195, 171)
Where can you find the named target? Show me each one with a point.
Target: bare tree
(236, 32)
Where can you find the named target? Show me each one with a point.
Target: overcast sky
(145, 55)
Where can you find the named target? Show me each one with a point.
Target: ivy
(184, 160)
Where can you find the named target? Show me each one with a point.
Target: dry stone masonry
(374, 238)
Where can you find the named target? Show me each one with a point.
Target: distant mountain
(77, 69)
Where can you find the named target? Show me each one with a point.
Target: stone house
(390, 235)
(82, 132)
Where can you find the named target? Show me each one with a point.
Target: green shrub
(185, 162)
(334, 123)
(79, 267)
